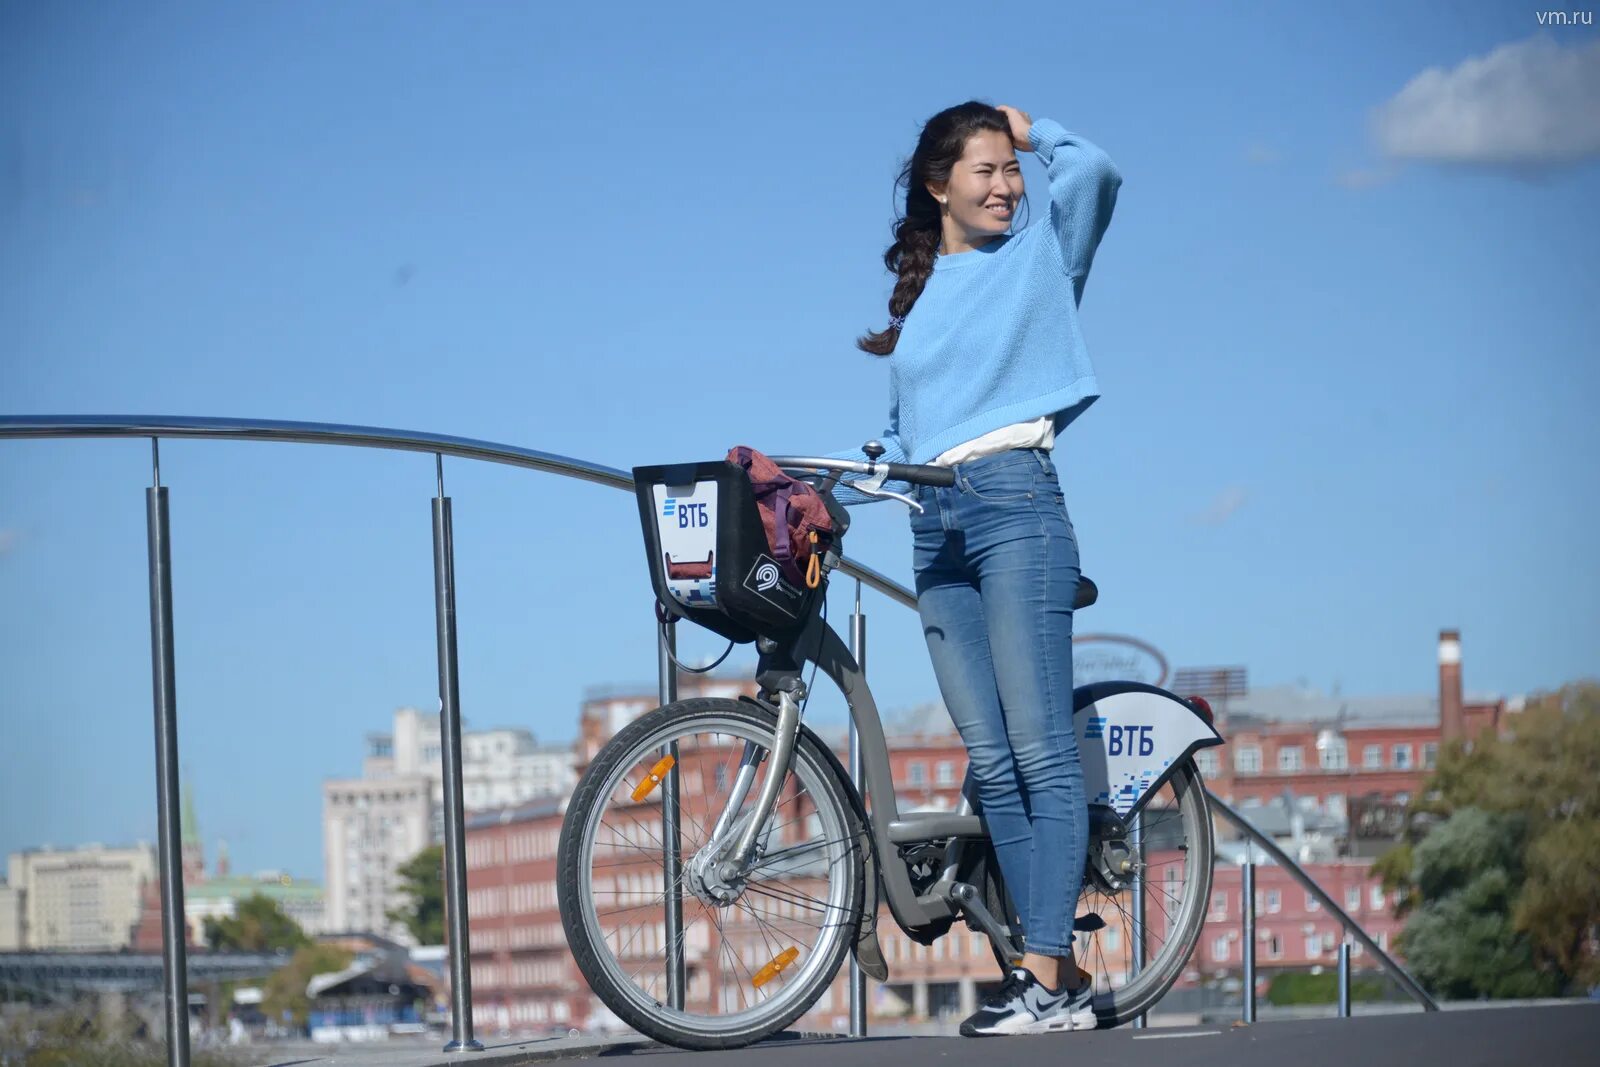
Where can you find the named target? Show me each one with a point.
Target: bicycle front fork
(733, 861)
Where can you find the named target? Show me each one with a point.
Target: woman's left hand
(1021, 121)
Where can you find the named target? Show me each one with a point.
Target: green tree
(422, 880)
(1503, 893)
(1460, 940)
(257, 925)
(286, 987)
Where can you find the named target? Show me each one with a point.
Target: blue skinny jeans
(996, 566)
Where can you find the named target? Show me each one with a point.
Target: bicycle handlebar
(916, 473)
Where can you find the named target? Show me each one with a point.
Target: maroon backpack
(799, 528)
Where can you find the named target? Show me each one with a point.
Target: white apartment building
(498, 767)
(370, 826)
(11, 904)
(367, 821)
(81, 898)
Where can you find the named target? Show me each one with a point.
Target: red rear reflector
(1201, 705)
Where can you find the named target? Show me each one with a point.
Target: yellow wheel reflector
(770, 971)
(653, 779)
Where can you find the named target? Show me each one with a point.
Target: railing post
(667, 651)
(1344, 975)
(163, 673)
(1248, 902)
(455, 856)
(858, 978)
(1139, 933)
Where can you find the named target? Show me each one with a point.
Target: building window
(1402, 757)
(1430, 754)
(945, 772)
(1375, 895)
(1312, 903)
(1313, 946)
(1274, 901)
(1206, 760)
(722, 778)
(1352, 898)
(1219, 903)
(1335, 755)
(1335, 804)
(1291, 758)
(1274, 946)
(1247, 759)
(916, 773)
(1219, 949)
(1383, 940)
(1113, 938)
(1372, 758)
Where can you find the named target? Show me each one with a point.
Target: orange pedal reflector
(770, 971)
(653, 779)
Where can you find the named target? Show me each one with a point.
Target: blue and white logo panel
(686, 519)
(1128, 740)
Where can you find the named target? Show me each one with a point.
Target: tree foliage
(257, 925)
(1503, 894)
(422, 880)
(285, 992)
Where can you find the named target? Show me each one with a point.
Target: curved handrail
(33, 426)
(1270, 847)
(157, 426)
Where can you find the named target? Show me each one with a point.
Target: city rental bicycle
(716, 863)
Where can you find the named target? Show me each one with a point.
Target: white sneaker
(1022, 1005)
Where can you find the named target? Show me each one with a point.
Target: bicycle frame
(1143, 734)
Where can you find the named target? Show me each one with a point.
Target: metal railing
(1352, 929)
(440, 445)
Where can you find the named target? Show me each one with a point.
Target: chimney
(1450, 709)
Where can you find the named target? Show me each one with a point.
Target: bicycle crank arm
(966, 895)
(787, 732)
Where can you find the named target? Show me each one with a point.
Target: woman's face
(984, 188)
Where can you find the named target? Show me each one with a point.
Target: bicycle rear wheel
(1178, 853)
(758, 949)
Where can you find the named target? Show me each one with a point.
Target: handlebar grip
(922, 474)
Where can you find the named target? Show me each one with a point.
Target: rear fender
(1132, 737)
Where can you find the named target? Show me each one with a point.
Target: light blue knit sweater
(994, 338)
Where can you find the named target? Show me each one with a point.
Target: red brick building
(1327, 757)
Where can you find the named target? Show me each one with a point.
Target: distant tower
(222, 859)
(194, 852)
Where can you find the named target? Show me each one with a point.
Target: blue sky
(1344, 320)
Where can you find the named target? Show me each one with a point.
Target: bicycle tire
(1145, 990)
(575, 853)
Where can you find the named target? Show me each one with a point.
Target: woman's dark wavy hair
(916, 235)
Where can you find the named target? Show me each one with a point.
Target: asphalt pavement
(1553, 1036)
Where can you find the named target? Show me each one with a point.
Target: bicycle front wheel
(757, 948)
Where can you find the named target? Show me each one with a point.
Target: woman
(989, 367)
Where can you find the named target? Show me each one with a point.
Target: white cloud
(1531, 103)
(1223, 506)
(1261, 154)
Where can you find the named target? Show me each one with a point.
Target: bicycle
(782, 885)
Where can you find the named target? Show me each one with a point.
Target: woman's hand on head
(1020, 121)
